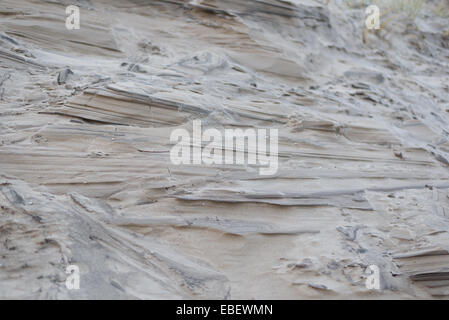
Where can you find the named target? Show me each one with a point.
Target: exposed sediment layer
(85, 171)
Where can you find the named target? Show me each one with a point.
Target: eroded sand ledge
(86, 179)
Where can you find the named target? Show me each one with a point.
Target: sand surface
(86, 177)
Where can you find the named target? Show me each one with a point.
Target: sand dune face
(85, 171)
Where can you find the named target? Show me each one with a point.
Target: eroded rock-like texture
(86, 178)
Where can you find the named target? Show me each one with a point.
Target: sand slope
(86, 178)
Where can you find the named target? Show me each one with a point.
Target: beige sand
(86, 178)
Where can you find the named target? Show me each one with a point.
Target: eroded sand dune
(86, 177)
